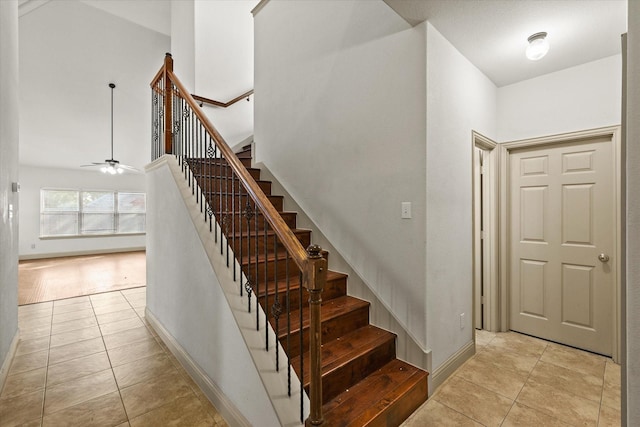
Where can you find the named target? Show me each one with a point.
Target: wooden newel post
(168, 105)
(315, 280)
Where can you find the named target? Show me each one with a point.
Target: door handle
(603, 257)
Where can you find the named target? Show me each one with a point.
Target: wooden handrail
(284, 233)
(310, 261)
(222, 104)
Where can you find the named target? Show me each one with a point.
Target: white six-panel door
(561, 232)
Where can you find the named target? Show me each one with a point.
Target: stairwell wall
(347, 138)
(185, 296)
(8, 174)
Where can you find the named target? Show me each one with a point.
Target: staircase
(364, 384)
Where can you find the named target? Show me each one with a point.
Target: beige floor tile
(518, 362)
(559, 404)
(577, 360)
(435, 414)
(111, 308)
(77, 368)
(35, 423)
(75, 350)
(144, 397)
(517, 343)
(523, 416)
(503, 381)
(28, 362)
(106, 298)
(184, 411)
(72, 315)
(567, 380)
(135, 351)
(120, 325)
(478, 403)
(483, 337)
(71, 337)
(24, 383)
(71, 393)
(134, 291)
(125, 424)
(612, 373)
(74, 300)
(126, 337)
(22, 409)
(27, 334)
(142, 370)
(609, 417)
(31, 324)
(73, 325)
(101, 411)
(67, 308)
(33, 345)
(116, 316)
(34, 312)
(611, 395)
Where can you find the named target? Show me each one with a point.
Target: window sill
(84, 236)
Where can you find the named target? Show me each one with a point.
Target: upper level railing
(202, 100)
(264, 247)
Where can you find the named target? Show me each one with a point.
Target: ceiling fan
(112, 166)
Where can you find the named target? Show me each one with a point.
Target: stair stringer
(407, 347)
(286, 409)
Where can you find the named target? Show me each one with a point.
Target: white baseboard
(227, 409)
(4, 370)
(445, 370)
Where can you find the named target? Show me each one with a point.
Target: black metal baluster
(301, 351)
(288, 308)
(249, 214)
(257, 281)
(266, 288)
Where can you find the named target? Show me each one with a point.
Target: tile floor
(517, 380)
(93, 361)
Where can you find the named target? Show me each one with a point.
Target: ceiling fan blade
(93, 165)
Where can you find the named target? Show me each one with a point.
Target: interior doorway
(485, 238)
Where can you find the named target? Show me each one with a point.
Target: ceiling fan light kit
(111, 166)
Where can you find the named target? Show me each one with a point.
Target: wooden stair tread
(294, 282)
(368, 402)
(337, 352)
(330, 309)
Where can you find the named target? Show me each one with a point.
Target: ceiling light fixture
(111, 166)
(538, 46)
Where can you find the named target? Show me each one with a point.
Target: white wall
(185, 295)
(183, 44)
(633, 217)
(224, 63)
(8, 174)
(212, 48)
(459, 99)
(348, 154)
(33, 179)
(69, 52)
(583, 97)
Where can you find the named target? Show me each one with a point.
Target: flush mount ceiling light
(538, 46)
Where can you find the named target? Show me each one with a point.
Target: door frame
(490, 212)
(505, 149)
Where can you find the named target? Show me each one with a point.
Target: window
(95, 212)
